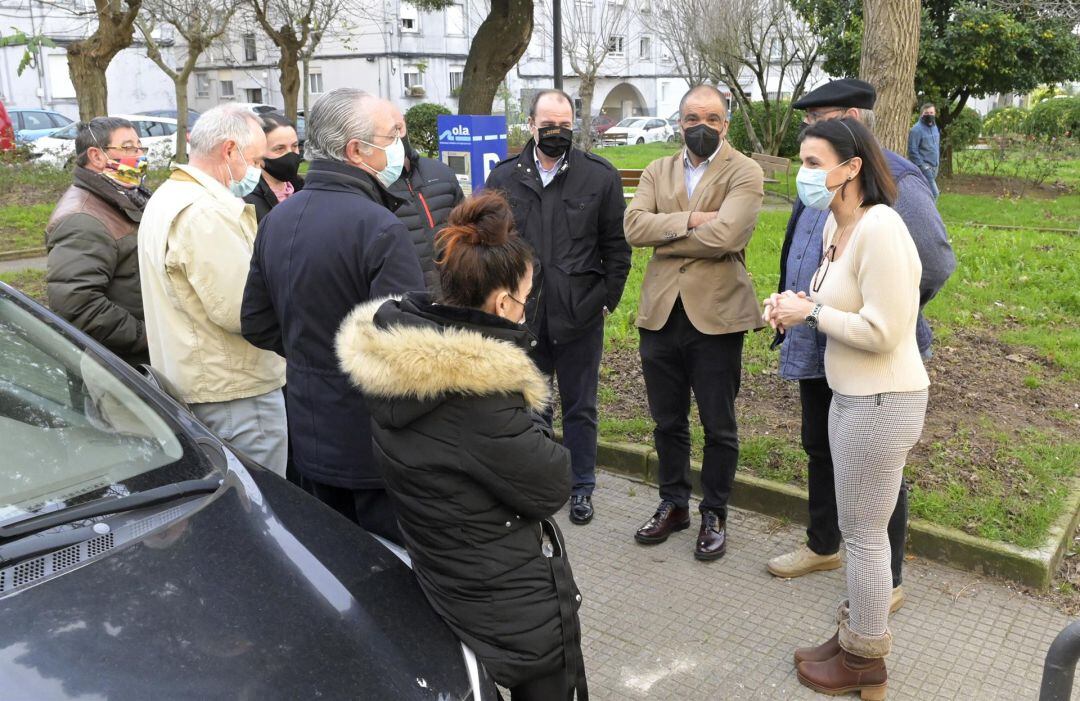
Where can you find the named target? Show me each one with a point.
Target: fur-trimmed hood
(407, 350)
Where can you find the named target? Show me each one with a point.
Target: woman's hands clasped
(787, 309)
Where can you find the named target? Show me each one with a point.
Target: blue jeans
(931, 178)
(255, 426)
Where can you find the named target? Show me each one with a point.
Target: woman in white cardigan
(865, 298)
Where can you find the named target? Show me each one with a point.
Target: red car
(7, 132)
(602, 123)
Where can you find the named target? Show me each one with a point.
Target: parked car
(637, 130)
(258, 107)
(7, 133)
(158, 135)
(602, 123)
(142, 557)
(192, 115)
(31, 124)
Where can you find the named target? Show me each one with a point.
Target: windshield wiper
(107, 505)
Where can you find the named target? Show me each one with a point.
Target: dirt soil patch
(995, 186)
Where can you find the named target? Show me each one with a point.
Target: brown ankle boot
(844, 673)
(822, 652)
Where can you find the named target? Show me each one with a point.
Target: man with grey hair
(196, 241)
(322, 252)
(803, 351)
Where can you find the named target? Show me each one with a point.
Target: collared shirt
(546, 176)
(694, 173)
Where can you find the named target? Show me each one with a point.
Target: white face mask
(395, 162)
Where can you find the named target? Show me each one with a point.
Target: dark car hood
(262, 593)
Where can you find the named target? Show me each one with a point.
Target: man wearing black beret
(802, 353)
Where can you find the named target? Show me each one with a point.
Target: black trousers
(371, 509)
(823, 533)
(576, 365)
(553, 687)
(677, 359)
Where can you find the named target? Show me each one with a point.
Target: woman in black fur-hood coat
(474, 475)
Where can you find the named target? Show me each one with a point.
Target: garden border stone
(1034, 567)
(24, 253)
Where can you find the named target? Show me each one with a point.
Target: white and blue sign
(471, 145)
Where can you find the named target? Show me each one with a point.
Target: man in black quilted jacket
(430, 190)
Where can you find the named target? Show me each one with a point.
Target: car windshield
(67, 132)
(633, 123)
(71, 429)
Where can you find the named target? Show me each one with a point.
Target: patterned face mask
(129, 171)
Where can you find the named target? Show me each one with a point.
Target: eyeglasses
(823, 268)
(815, 117)
(128, 150)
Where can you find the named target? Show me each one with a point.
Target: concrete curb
(1033, 567)
(25, 253)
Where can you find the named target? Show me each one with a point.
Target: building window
(202, 85)
(455, 20)
(456, 76)
(412, 76)
(410, 19)
(315, 84)
(254, 95)
(616, 45)
(645, 48)
(225, 87)
(250, 54)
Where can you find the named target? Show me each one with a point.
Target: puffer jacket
(429, 190)
(92, 274)
(474, 475)
(195, 244)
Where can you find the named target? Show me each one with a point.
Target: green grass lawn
(30, 282)
(23, 226)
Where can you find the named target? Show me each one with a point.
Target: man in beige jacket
(195, 246)
(697, 210)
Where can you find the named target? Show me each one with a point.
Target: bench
(773, 165)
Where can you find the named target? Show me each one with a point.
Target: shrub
(1005, 121)
(789, 145)
(422, 122)
(1055, 118)
(963, 130)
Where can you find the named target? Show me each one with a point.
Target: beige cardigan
(870, 295)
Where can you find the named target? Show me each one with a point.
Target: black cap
(846, 92)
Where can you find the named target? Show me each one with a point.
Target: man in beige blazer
(697, 210)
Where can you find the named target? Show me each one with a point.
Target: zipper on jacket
(431, 221)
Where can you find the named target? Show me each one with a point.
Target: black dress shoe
(667, 519)
(581, 511)
(712, 539)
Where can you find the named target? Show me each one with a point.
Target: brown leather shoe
(822, 652)
(844, 673)
(667, 520)
(712, 538)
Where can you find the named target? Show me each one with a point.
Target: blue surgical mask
(249, 182)
(810, 184)
(395, 161)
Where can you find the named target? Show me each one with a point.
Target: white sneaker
(897, 599)
(802, 561)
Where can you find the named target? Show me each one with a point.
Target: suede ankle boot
(844, 673)
(822, 652)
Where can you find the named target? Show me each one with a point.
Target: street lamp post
(556, 34)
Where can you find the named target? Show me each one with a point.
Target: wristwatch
(812, 319)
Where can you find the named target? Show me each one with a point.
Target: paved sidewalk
(9, 266)
(659, 625)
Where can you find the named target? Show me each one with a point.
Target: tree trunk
(290, 81)
(499, 43)
(91, 88)
(181, 118)
(586, 90)
(307, 86)
(890, 50)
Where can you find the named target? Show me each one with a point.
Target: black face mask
(702, 140)
(283, 168)
(928, 120)
(554, 141)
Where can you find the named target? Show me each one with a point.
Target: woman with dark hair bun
(865, 298)
(280, 165)
(472, 469)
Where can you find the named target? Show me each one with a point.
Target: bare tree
(890, 50)
(592, 33)
(199, 23)
(676, 27)
(326, 14)
(500, 41)
(289, 25)
(88, 58)
(766, 39)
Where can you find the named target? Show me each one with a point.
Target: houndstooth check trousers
(870, 437)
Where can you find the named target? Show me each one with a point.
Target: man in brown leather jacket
(92, 239)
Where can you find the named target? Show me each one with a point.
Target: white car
(637, 130)
(158, 136)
